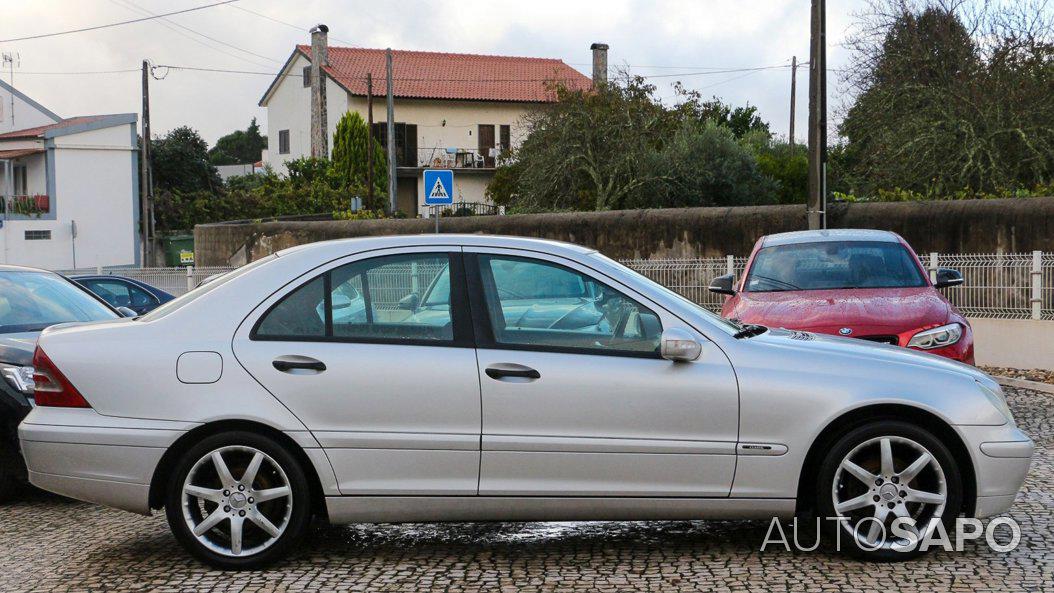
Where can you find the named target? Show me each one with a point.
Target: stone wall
(966, 226)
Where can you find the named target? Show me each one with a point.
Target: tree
(951, 96)
(740, 120)
(704, 165)
(180, 161)
(585, 151)
(239, 147)
(350, 163)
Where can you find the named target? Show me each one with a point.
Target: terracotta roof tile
(38, 131)
(434, 75)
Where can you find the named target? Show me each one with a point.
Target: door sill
(427, 509)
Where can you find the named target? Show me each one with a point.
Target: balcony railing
(465, 209)
(26, 205)
(457, 158)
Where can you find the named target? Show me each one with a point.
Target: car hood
(826, 347)
(891, 310)
(18, 348)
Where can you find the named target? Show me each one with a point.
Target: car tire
(229, 519)
(12, 472)
(855, 482)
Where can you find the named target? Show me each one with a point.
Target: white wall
(440, 124)
(25, 114)
(289, 108)
(94, 185)
(1016, 343)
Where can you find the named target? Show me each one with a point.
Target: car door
(389, 389)
(577, 400)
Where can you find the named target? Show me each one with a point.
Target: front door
(577, 401)
(375, 357)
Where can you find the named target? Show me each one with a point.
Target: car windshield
(831, 265)
(31, 301)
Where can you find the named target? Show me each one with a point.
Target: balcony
(35, 205)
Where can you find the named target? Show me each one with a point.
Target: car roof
(14, 268)
(821, 236)
(338, 247)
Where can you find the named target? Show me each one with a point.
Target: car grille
(892, 340)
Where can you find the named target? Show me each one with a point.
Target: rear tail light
(51, 387)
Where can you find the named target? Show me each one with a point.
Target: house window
(405, 142)
(307, 76)
(38, 235)
(21, 184)
(485, 140)
(505, 139)
(283, 141)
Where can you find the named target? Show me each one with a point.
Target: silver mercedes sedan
(475, 378)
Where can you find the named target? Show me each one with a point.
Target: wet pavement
(52, 544)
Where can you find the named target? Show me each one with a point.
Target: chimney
(319, 119)
(600, 63)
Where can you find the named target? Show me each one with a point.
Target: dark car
(121, 291)
(31, 300)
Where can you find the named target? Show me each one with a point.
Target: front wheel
(886, 486)
(238, 500)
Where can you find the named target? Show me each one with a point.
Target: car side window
(121, 294)
(390, 298)
(541, 305)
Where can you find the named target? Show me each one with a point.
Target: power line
(97, 27)
(281, 22)
(129, 4)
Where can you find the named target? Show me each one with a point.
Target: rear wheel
(882, 472)
(12, 471)
(238, 500)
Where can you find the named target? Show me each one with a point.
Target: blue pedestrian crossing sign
(439, 187)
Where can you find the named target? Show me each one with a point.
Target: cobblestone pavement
(51, 544)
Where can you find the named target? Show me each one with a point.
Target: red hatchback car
(856, 283)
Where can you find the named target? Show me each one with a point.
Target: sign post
(439, 189)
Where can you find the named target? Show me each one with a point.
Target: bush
(704, 165)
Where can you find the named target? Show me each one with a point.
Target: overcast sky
(665, 38)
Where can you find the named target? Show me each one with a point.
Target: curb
(1024, 384)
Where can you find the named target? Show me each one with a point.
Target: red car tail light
(51, 387)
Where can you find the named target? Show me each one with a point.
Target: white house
(70, 187)
(451, 110)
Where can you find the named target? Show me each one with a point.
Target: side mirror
(948, 277)
(723, 284)
(409, 302)
(126, 312)
(679, 346)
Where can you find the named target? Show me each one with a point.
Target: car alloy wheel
(239, 500)
(239, 516)
(877, 475)
(886, 478)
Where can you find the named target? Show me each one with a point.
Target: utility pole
(392, 202)
(369, 139)
(144, 169)
(817, 203)
(794, 94)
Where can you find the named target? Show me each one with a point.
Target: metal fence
(690, 277)
(997, 285)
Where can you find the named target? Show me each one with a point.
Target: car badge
(846, 331)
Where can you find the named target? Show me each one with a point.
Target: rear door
(374, 354)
